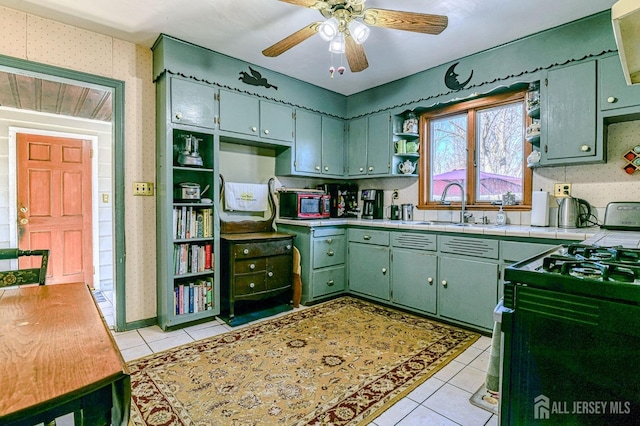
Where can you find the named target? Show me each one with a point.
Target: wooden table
(57, 356)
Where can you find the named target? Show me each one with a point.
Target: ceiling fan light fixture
(359, 31)
(337, 45)
(328, 29)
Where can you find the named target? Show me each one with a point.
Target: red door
(54, 204)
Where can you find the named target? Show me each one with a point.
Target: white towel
(246, 197)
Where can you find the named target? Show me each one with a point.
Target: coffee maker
(344, 199)
(373, 203)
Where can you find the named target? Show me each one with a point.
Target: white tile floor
(441, 400)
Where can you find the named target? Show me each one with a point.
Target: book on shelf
(194, 297)
(192, 222)
(192, 258)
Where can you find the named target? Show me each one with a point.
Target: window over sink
(479, 144)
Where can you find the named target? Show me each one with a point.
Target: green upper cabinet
(319, 144)
(192, 103)
(308, 147)
(614, 92)
(569, 107)
(357, 147)
(369, 142)
(254, 117)
(332, 146)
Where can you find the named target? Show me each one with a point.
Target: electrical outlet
(562, 190)
(143, 188)
(395, 195)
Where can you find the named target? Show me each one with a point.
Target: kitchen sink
(447, 223)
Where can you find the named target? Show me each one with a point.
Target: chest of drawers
(255, 266)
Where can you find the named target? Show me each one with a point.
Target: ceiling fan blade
(355, 55)
(292, 40)
(406, 21)
(313, 4)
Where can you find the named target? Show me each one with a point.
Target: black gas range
(571, 337)
(607, 272)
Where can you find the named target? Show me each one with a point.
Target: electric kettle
(573, 213)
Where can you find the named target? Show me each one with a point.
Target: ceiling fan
(343, 29)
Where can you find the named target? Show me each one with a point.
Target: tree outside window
(479, 144)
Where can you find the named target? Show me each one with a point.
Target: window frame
(471, 108)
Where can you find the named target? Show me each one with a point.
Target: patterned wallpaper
(42, 40)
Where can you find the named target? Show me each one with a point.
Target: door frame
(13, 188)
(53, 73)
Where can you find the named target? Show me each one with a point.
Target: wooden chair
(24, 276)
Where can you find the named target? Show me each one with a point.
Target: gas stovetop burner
(616, 254)
(589, 269)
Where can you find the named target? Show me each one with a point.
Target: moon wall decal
(451, 78)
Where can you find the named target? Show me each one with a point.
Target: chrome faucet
(463, 217)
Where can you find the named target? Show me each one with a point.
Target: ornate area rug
(343, 362)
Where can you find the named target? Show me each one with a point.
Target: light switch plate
(143, 188)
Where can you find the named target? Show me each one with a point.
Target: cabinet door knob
(326, 168)
(252, 285)
(370, 168)
(444, 283)
(24, 221)
(270, 274)
(361, 169)
(245, 251)
(585, 148)
(178, 116)
(612, 99)
(330, 283)
(253, 129)
(384, 271)
(288, 246)
(24, 209)
(317, 168)
(252, 266)
(366, 237)
(430, 280)
(329, 240)
(266, 131)
(330, 253)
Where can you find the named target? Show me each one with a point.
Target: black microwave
(304, 204)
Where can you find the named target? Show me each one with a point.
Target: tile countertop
(578, 234)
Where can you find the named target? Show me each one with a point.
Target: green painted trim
(134, 325)
(35, 69)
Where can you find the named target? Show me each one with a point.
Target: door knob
(24, 221)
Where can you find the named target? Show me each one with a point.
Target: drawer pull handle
(444, 283)
(330, 253)
(329, 240)
(288, 246)
(245, 251)
(384, 271)
(330, 283)
(367, 237)
(252, 266)
(252, 285)
(270, 274)
(430, 281)
(178, 115)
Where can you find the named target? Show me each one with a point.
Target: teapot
(412, 147)
(407, 167)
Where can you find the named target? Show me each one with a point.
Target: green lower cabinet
(413, 279)
(468, 290)
(369, 270)
(327, 281)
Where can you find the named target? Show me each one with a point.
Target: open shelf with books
(188, 228)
